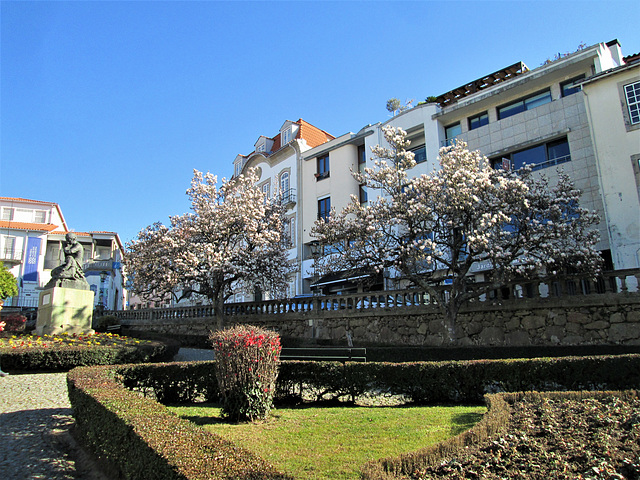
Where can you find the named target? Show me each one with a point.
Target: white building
(31, 236)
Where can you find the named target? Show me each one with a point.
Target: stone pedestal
(64, 310)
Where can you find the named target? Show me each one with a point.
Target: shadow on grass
(464, 421)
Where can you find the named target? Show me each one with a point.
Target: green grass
(334, 442)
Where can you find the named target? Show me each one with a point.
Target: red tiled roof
(38, 227)
(27, 200)
(313, 135)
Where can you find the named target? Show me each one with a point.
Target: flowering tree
(431, 229)
(234, 238)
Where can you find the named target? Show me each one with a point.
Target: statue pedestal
(64, 310)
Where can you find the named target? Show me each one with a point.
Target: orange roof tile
(27, 200)
(38, 227)
(313, 135)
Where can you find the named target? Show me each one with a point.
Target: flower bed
(62, 352)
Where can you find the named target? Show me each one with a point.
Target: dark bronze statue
(70, 273)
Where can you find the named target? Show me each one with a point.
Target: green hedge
(119, 418)
(62, 359)
(493, 423)
(457, 381)
(141, 439)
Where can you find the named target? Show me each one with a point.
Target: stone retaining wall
(596, 320)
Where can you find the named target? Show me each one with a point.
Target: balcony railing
(287, 198)
(541, 290)
(10, 255)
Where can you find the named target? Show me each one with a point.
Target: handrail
(614, 282)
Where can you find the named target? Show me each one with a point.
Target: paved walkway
(35, 418)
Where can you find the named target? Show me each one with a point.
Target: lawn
(334, 442)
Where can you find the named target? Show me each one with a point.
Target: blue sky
(107, 107)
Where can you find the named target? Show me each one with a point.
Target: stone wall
(610, 319)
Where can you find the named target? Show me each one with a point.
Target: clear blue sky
(107, 107)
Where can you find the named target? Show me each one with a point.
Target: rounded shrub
(246, 368)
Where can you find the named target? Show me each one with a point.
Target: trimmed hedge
(63, 359)
(142, 439)
(119, 418)
(493, 423)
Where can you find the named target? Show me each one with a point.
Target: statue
(70, 273)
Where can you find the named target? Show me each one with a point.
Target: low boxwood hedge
(65, 358)
(119, 416)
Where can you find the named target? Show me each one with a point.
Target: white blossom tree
(431, 229)
(233, 239)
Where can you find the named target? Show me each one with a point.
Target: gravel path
(35, 418)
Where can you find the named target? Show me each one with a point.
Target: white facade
(612, 101)
(573, 113)
(31, 237)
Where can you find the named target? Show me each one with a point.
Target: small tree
(246, 369)
(431, 229)
(8, 283)
(234, 238)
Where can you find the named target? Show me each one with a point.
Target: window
(284, 184)
(237, 168)
(290, 231)
(632, 92)
(286, 136)
(420, 154)
(478, 121)
(324, 208)
(261, 148)
(569, 87)
(266, 192)
(538, 157)
(9, 246)
(363, 195)
(7, 214)
(451, 132)
(323, 167)
(40, 216)
(524, 104)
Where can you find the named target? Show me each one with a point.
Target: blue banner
(31, 265)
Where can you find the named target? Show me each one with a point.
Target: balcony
(287, 198)
(10, 255)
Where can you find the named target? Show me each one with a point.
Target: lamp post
(315, 249)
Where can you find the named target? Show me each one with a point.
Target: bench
(325, 354)
(114, 329)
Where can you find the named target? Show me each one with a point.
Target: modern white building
(579, 112)
(31, 237)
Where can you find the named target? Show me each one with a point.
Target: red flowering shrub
(246, 369)
(14, 322)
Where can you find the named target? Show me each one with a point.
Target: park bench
(114, 329)
(325, 354)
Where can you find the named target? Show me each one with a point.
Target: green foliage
(246, 369)
(51, 355)
(8, 283)
(137, 435)
(100, 324)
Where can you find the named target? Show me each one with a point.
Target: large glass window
(538, 157)
(420, 154)
(451, 132)
(286, 136)
(478, 121)
(266, 192)
(524, 104)
(284, 184)
(632, 92)
(323, 167)
(324, 208)
(569, 87)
